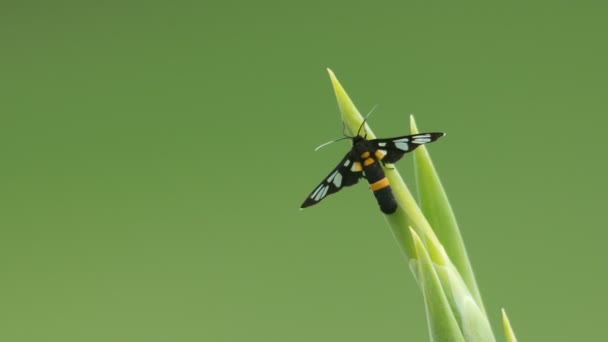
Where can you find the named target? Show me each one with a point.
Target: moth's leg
(388, 165)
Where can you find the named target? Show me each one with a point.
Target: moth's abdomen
(386, 200)
(384, 195)
(378, 183)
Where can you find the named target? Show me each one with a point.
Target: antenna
(329, 142)
(365, 119)
(344, 130)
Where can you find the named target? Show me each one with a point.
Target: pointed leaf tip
(437, 209)
(413, 126)
(350, 115)
(331, 73)
(509, 334)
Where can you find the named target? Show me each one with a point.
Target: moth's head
(357, 138)
(362, 127)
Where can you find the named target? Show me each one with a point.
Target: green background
(154, 156)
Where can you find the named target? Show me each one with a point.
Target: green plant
(429, 236)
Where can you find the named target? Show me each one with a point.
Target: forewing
(343, 175)
(393, 149)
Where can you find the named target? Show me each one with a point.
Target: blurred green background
(154, 156)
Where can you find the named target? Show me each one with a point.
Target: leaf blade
(442, 323)
(438, 211)
(506, 324)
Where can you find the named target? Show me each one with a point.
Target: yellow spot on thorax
(379, 154)
(365, 155)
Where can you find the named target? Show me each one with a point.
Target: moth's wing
(392, 149)
(346, 173)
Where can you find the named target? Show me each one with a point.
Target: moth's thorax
(360, 146)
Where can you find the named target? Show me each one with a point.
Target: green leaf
(350, 115)
(437, 209)
(509, 334)
(453, 304)
(443, 326)
(408, 214)
(398, 221)
(473, 322)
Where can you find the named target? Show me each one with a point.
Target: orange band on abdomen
(381, 184)
(368, 161)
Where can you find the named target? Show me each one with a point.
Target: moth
(363, 160)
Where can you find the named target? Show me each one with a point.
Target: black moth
(363, 161)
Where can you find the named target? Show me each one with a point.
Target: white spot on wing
(382, 144)
(314, 194)
(401, 140)
(347, 162)
(403, 146)
(331, 177)
(421, 141)
(323, 192)
(338, 180)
